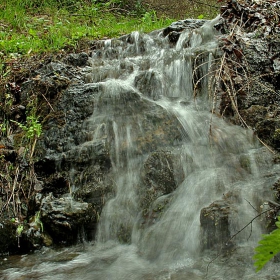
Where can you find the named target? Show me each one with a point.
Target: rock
(253, 57)
(156, 209)
(215, 225)
(174, 31)
(9, 155)
(158, 181)
(148, 84)
(64, 217)
(8, 240)
(80, 59)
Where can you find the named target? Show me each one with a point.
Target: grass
(28, 28)
(207, 9)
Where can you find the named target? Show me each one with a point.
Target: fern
(268, 248)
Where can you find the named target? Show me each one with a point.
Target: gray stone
(215, 225)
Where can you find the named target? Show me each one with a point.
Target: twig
(252, 205)
(233, 236)
(13, 190)
(48, 102)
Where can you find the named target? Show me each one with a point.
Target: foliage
(18, 180)
(38, 221)
(5, 129)
(19, 230)
(149, 18)
(32, 128)
(38, 26)
(268, 248)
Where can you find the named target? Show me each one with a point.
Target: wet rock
(174, 31)
(72, 160)
(96, 187)
(254, 114)
(50, 80)
(215, 223)
(8, 240)
(267, 130)
(20, 237)
(57, 184)
(265, 122)
(80, 59)
(34, 234)
(156, 209)
(276, 137)
(64, 217)
(148, 84)
(158, 181)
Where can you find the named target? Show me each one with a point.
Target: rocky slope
(38, 189)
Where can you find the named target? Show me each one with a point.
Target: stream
(146, 114)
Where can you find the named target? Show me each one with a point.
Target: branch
(233, 236)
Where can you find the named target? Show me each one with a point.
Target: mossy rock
(157, 179)
(215, 224)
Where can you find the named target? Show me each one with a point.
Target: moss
(245, 163)
(124, 234)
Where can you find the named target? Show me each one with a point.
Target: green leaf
(201, 16)
(19, 230)
(268, 248)
(32, 32)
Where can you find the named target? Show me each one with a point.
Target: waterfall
(170, 159)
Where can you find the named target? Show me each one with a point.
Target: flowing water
(144, 84)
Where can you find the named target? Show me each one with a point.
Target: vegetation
(29, 27)
(268, 248)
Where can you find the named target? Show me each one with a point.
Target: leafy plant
(5, 129)
(38, 221)
(268, 248)
(33, 128)
(19, 230)
(149, 18)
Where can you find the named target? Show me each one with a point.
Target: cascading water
(170, 159)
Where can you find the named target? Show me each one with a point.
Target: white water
(209, 166)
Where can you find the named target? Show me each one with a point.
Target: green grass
(32, 27)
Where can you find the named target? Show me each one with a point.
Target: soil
(183, 9)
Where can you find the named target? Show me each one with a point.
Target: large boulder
(157, 184)
(65, 219)
(215, 225)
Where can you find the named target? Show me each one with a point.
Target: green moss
(245, 162)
